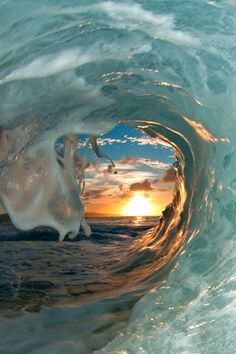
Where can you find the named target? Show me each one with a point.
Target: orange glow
(138, 205)
(115, 206)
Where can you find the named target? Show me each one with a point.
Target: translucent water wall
(68, 69)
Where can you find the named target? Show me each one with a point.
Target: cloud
(94, 194)
(128, 160)
(109, 141)
(169, 176)
(163, 189)
(121, 174)
(133, 161)
(142, 140)
(121, 187)
(141, 186)
(125, 195)
(147, 140)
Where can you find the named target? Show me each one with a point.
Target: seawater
(168, 69)
(75, 289)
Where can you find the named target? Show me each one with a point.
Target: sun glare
(138, 206)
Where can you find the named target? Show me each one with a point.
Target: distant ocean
(83, 288)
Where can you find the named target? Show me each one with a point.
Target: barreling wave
(69, 69)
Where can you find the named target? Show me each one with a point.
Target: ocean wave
(168, 70)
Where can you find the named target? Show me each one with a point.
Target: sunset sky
(142, 181)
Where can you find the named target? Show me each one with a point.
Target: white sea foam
(50, 64)
(70, 59)
(133, 16)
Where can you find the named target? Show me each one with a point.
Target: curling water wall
(166, 67)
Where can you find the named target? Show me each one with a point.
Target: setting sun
(138, 206)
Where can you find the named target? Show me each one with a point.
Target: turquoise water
(167, 68)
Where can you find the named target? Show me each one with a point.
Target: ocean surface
(72, 68)
(48, 287)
